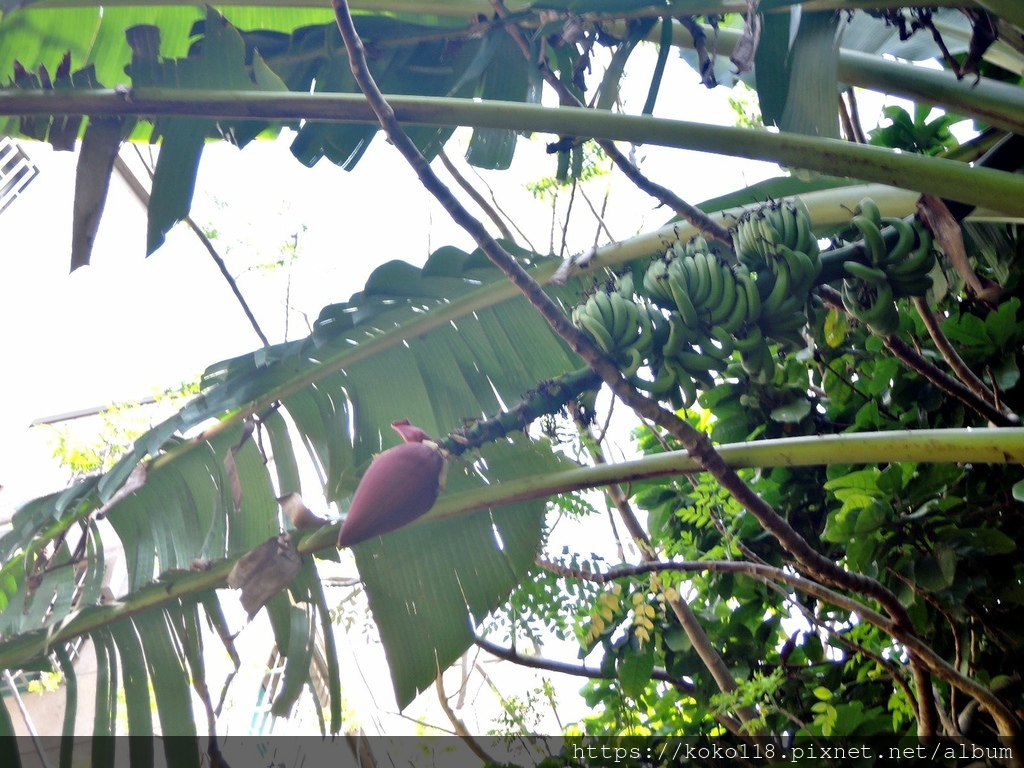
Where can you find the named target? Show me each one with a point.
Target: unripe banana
(681, 298)
(749, 338)
(872, 236)
(644, 343)
(869, 208)
(697, 362)
(769, 236)
(919, 262)
(878, 313)
(697, 245)
(872, 275)
(687, 390)
(688, 267)
(664, 382)
(787, 215)
(740, 313)
(603, 304)
(716, 280)
(633, 361)
(656, 284)
(746, 281)
(802, 270)
(660, 324)
(727, 302)
(806, 241)
(904, 242)
(780, 290)
(704, 285)
(624, 329)
(679, 335)
(726, 344)
(595, 329)
(758, 362)
(750, 249)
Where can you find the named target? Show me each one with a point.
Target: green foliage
(121, 425)
(917, 133)
(443, 344)
(744, 104)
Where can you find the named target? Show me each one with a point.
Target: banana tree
(815, 334)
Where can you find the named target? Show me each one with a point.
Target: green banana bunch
(867, 294)
(785, 285)
(872, 304)
(706, 291)
(775, 242)
(617, 326)
(762, 231)
(870, 291)
(909, 264)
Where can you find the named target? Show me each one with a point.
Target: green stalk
(991, 446)
(988, 446)
(826, 207)
(990, 101)
(944, 178)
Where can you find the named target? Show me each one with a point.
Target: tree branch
(702, 644)
(476, 196)
(457, 724)
(953, 359)
(1003, 716)
(915, 361)
(691, 213)
(576, 670)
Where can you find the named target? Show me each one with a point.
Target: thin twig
(140, 192)
(847, 123)
(576, 670)
(953, 359)
(915, 361)
(858, 130)
(568, 216)
(600, 218)
(497, 206)
(477, 197)
(664, 195)
(459, 727)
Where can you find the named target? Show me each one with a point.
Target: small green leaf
(968, 330)
(836, 328)
(1006, 373)
(793, 412)
(822, 693)
(634, 668)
